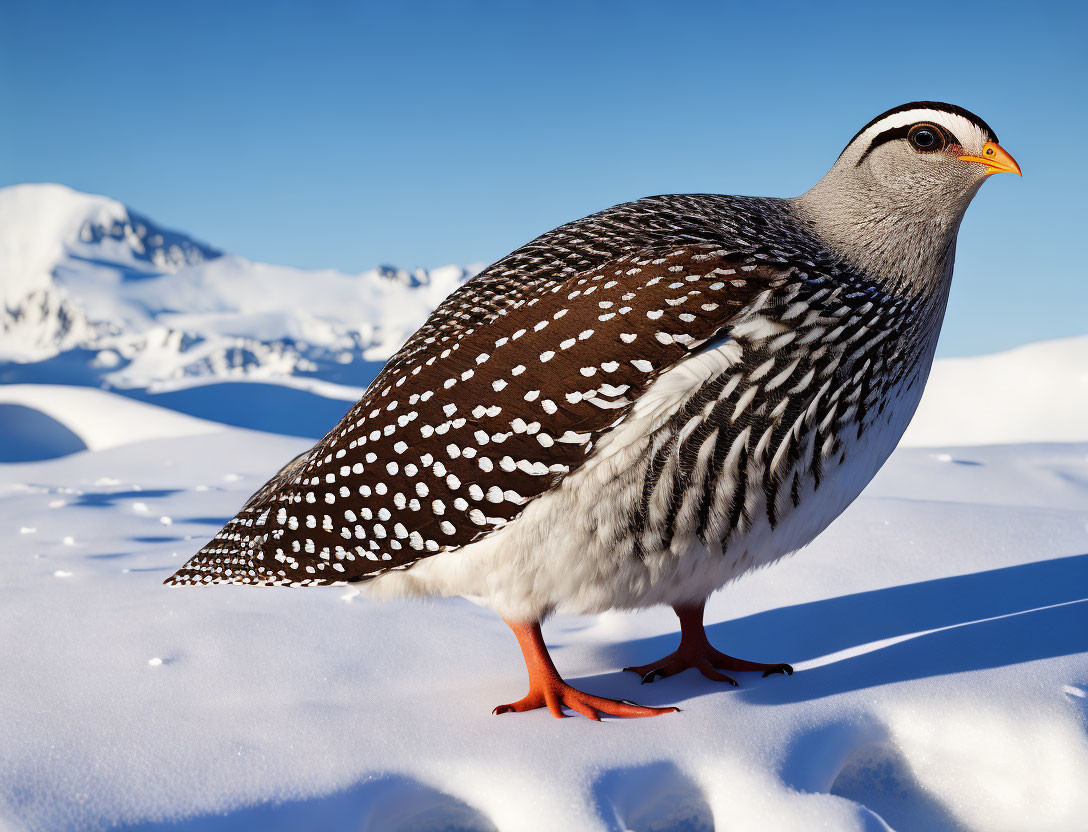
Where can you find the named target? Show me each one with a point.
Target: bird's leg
(548, 690)
(696, 651)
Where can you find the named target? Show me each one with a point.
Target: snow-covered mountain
(50, 231)
(95, 293)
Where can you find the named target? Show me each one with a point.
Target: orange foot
(707, 661)
(696, 651)
(548, 690)
(554, 694)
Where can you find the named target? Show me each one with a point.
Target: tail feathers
(234, 555)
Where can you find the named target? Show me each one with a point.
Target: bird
(637, 407)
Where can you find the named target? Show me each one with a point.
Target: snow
(102, 295)
(939, 628)
(1028, 393)
(48, 229)
(99, 419)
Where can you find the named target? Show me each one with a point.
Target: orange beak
(995, 159)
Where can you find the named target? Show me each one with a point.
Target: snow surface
(939, 628)
(1038, 391)
(98, 419)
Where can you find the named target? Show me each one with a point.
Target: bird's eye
(926, 138)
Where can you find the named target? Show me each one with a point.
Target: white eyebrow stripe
(969, 134)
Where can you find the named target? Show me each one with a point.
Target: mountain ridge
(87, 279)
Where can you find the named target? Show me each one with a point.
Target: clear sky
(420, 133)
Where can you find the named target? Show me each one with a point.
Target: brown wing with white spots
(447, 448)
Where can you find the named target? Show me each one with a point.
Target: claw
(780, 668)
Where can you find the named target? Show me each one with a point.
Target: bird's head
(937, 149)
(904, 182)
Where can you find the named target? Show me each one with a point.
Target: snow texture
(939, 628)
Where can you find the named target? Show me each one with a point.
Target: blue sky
(422, 133)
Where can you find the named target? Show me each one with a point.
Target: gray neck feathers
(901, 232)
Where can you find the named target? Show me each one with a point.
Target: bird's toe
(714, 675)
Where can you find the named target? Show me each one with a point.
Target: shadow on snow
(395, 803)
(31, 436)
(979, 621)
(256, 405)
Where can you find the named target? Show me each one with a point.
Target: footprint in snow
(657, 796)
(858, 761)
